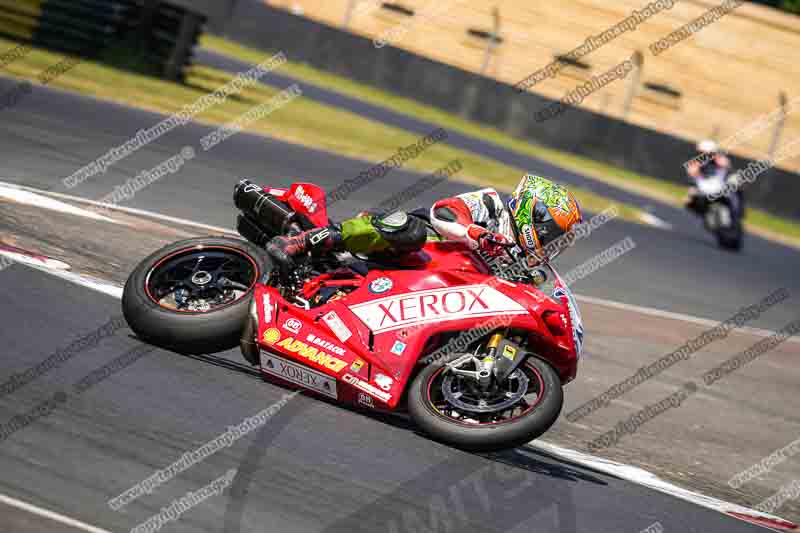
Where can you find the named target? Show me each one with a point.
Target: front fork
(502, 356)
(486, 365)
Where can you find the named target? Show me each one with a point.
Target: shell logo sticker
(271, 336)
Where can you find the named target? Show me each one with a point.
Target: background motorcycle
(476, 353)
(718, 202)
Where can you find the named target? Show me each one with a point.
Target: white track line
(648, 479)
(112, 207)
(675, 316)
(35, 198)
(99, 285)
(48, 262)
(589, 299)
(652, 220)
(55, 517)
(627, 472)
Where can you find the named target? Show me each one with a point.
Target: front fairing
(712, 184)
(554, 287)
(560, 291)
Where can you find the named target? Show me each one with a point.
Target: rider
(709, 163)
(538, 212)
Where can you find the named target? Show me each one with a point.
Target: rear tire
(487, 437)
(186, 331)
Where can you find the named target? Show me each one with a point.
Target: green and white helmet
(541, 211)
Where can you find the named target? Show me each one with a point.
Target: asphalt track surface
(314, 466)
(51, 134)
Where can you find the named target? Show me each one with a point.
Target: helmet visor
(547, 229)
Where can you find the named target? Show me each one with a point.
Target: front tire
(729, 242)
(730, 238)
(155, 315)
(472, 436)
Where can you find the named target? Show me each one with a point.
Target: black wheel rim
(201, 279)
(437, 397)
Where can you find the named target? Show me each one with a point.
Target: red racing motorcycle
(476, 352)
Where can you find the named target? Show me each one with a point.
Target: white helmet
(707, 146)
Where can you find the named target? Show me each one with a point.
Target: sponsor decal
(319, 236)
(366, 400)
(357, 365)
(305, 199)
(293, 325)
(271, 336)
(473, 201)
(298, 374)
(267, 305)
(509, 352)
(398, 347)
(437, 305)
(527, 232)
(383, 381)
(313, 339)
(380, 285)
(277, 192)
(312, 354)
(338, 327)
(367, 387)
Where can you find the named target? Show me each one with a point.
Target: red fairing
(309, 199)
(362, 348)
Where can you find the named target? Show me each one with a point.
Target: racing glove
(284, 249)
(489, 242)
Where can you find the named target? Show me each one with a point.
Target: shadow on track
(474, 492)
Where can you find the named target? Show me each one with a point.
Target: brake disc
(452, 385)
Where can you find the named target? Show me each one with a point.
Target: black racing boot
(283, 249)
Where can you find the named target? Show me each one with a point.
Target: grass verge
(758, 221)
(303, 121)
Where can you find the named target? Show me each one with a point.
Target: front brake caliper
(509, 357)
